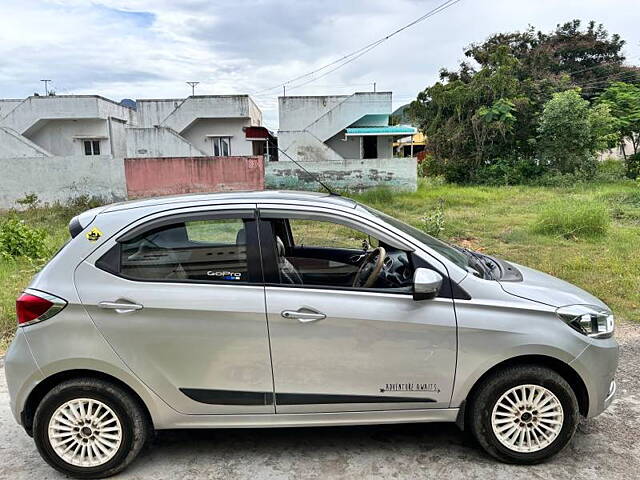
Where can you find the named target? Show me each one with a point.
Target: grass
(573, 218)
(503, 221)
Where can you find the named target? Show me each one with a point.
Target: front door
(180, 299)
(336, 348)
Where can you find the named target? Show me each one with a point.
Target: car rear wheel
(89, 428)
(524, 414)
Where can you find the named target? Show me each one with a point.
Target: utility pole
(193, 87)
(374, 87)
(46, 86)
(284, 90)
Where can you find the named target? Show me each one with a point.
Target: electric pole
(193, 87)
(46, 86)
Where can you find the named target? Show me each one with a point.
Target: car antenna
(315, 176)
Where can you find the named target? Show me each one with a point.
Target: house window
(221, 146)
(92, 147)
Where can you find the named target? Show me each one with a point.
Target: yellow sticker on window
(94, 234)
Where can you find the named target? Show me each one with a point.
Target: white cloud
(149, 48)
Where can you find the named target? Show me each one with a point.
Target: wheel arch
(562, 368)
(40, 390)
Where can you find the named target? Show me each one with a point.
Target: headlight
(591, 320)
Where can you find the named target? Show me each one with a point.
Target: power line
(348, 58)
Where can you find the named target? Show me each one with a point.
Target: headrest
(241, 237)
(280, 246)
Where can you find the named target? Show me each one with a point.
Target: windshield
(444, 249)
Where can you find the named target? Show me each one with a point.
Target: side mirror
(426, 284)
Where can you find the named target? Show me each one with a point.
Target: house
(63, 126)
(197, 126)
(338, 127)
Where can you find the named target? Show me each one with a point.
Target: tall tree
(514, 73)
(571, 132)
(623, 101)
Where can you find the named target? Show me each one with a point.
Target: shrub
(30, 200)
(20, 240)
(609, 170)
(509, 171)
(433, 224)
(572, 219)
(633, 166)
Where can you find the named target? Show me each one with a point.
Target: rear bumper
(21, 372)
(597, 366)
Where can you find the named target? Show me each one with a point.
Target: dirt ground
(606, 447)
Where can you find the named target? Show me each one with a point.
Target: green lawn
(496, 220)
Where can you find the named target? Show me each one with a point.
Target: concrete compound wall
(59, 179)
(148, 177)
(398, 173)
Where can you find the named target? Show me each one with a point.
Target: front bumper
(597, 366)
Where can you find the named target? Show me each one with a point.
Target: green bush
(20, 240)
(573, 219)
(609, 170)
(509, 171)
(633, 166)
(433, 224)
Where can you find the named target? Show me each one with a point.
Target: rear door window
(213, 249)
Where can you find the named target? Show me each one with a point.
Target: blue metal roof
(389, 130)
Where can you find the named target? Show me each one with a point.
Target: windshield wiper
(486, 264)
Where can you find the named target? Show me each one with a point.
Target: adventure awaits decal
(410, 387)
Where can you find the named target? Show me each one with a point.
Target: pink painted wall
(149, 177)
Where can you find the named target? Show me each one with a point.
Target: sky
(150, 48)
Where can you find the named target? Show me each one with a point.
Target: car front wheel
(89, 428)
(524, 414)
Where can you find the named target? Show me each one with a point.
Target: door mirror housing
(426, 284)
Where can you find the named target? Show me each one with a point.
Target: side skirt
(309, 419)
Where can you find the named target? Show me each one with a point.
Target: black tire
(488, 394)
(133, 420)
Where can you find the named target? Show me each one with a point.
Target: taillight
(33, 306)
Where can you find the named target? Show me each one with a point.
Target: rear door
(180, 299)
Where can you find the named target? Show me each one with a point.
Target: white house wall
(154, 112)
(385, 146)
(8, 104)
(57, 136)
(33, 109)
(348, 147)
(197, 133)
(308, 124)
(158, 142)
(218, 106)
(14, 145)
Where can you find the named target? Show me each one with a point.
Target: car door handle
(303, 315)
(121, 307)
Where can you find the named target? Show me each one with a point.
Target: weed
(573, 219)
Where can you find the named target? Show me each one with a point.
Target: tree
(589, 58)
(623, 101)
(515, 73)
(571, 132)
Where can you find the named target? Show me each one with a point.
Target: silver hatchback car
(278, 309)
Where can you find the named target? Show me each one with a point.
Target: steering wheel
(370, 268)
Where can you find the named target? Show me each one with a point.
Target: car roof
(278, 196)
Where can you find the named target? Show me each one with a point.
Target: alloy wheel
(85, 432)
(527, 418)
